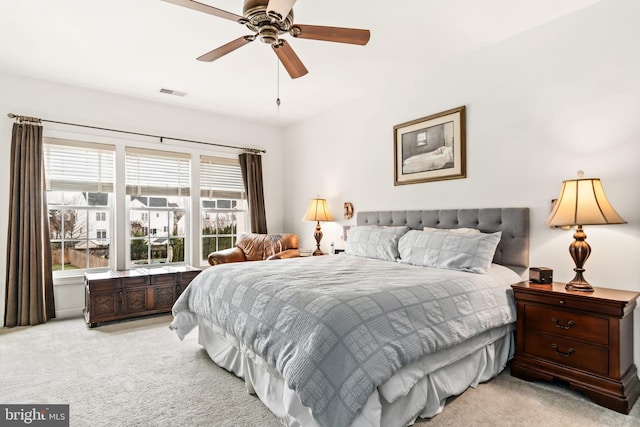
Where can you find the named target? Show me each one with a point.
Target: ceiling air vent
(172, 92)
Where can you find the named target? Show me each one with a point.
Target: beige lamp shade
(318, 211)
(583, 202)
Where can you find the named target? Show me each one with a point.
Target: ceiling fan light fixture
(268, 34)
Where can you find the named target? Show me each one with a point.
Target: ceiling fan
(269, 19)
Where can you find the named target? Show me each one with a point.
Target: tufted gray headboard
(513, 249)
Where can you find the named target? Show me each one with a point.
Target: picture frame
(431, 148)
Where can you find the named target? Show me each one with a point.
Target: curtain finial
(23, 119)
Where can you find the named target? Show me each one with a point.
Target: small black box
(540, 275)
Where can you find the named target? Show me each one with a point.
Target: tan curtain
(251, 166)
(29, 293)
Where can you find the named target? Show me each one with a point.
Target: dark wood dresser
(584, 339)
(115, 295)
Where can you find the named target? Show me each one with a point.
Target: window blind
(221, 178)
(78, 166)
(157, 173)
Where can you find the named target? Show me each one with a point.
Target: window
(80, 180)
(158, 189)
(223, 206)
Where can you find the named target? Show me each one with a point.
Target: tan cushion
(258, 247)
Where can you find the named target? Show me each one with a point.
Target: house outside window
(81, 207)
(80, 180)
(162, 240)
(223, 206)
(158, 190)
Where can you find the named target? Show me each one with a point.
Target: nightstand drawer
(568, 352)
(567, 324)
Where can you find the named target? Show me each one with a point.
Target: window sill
(67, 280)
(73, 277)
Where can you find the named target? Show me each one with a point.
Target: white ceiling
(137, 47)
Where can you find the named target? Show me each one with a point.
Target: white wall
(540, 106)
(71, 104)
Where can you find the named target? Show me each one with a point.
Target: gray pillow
(449, 250)
(372, 241)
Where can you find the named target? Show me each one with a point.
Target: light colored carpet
(137, 373)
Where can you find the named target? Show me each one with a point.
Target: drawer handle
(569, 325)
(561, 353)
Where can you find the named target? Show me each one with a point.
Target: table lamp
(582, 202)
(318, 211)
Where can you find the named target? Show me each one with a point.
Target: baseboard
(68, 313)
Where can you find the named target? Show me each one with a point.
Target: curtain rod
(162, 138)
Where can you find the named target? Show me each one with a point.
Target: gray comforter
(336, 327)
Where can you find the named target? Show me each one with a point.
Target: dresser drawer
(128, 282)
(568, 352)
(163, 279)
(103, 285)
(567, 324)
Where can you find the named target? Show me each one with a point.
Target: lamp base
(578, 283)
(580, 251)
(579, 286)
(318, 236)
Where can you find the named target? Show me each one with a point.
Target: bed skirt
(417, 390)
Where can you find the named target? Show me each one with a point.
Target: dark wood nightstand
(585, 339)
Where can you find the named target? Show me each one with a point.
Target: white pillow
(454, 230)
(372, 241)
(452, 251)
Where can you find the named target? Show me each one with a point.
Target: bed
(436, 159)
(379, 336)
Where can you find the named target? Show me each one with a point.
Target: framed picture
(431, 148)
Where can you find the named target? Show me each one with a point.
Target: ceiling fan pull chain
(278, 81)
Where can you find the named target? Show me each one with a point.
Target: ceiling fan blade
(200, 7)
(227, 48)
(331, 34)
(289, 59)
(279, 9)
